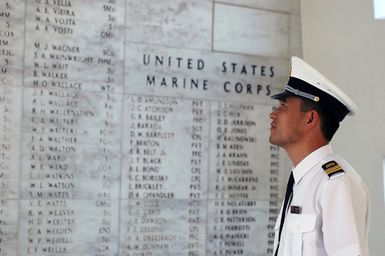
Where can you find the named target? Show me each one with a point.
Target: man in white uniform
(326, 209)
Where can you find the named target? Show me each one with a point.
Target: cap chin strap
(301, 93)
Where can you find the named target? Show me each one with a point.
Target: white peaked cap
(307, 82)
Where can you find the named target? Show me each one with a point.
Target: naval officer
(326, 208)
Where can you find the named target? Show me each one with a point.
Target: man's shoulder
(335, 166)
(333, 169)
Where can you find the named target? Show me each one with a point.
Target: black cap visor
(282, 95)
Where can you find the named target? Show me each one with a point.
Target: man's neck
(299, 152)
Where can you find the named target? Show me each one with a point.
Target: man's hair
(329, 125)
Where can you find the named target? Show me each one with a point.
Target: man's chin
(273, 141)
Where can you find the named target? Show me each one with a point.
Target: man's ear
(312, 118)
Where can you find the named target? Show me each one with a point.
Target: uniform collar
(310, 161)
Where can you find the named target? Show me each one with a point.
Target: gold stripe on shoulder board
(332, 168)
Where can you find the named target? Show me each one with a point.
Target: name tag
(295, 209)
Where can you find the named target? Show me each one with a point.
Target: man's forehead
(290, 99)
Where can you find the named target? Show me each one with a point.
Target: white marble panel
(251, 31)
(163, 227)
(236, 227)
(68, 46)
(177, 23)
(165, 148)
(70, 144)
(273, 5)
(11, 82)
(295, 36)
(10, 115)
(161, 71)
(11, 43)
(68, 227)
(240, 165)
(9, 216)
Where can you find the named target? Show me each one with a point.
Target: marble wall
(141, 127)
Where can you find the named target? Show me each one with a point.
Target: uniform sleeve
(340, 227)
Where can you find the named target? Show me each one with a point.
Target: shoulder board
(332, 168)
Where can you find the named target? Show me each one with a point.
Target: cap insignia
(332, 168)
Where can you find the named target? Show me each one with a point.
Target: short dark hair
(329, 125)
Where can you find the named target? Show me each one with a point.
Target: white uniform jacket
(327, 215)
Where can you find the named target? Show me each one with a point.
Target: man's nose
(273, 114)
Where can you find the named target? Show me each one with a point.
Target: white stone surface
(272, 5)
(251, 31)
(166, 71)
(176, 23)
